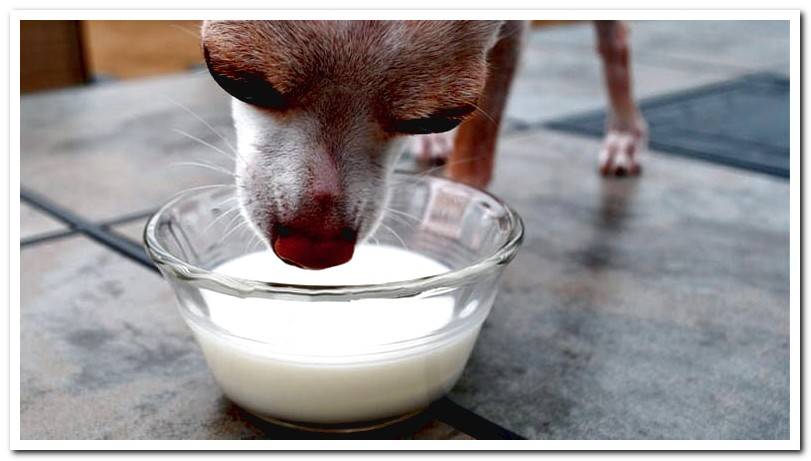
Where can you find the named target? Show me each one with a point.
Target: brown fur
(401, 69)
(613, 46)
(475, 143)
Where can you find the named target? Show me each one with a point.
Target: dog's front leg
(626, 131)
(474, 146)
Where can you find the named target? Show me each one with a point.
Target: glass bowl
(291, 354)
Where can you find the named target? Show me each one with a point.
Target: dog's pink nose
(308, 251)
(316, 237)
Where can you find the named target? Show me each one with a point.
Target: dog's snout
(348, 234)
(302, 248)
(316, 238)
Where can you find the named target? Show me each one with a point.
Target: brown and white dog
(323, 109)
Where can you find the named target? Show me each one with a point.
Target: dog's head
(321, 109)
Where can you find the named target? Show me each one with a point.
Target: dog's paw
(434, 148)
(619, 154)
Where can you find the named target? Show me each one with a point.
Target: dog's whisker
(219, 218)
(198, 188)
(216, 168)
(208, 125)
(233, 197)
(250, 242)
(402, 213)
(260, 244)
(205, 143)
(400, 216)
(402, 242)
(433, 169)
(485, 114)
(234, 220)
(234, 229)
(401, 220)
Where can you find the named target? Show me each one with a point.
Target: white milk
(309, 361)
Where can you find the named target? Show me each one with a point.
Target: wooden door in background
(51, 55)
(127, 49)
(55, 54)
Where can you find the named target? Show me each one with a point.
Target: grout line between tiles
(62, 233)
(114, 241)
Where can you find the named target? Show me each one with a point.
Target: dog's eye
(248, 87)
(251, 90)
(425, 125)
(438, 122)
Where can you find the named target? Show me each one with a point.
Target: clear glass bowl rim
(241, 287)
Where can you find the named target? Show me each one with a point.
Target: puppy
(323, 110)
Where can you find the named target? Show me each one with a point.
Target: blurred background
(57, 54)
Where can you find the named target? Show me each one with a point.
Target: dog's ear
(212, 31)
(466, 35)
(238, 43)
(231, 40)
(441, 66)
(484, 33)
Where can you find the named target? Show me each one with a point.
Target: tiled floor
(33, 223)
(655, 308)
(648, 308)
(743, 122)
(561, 76)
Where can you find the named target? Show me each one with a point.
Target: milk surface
(311, 361)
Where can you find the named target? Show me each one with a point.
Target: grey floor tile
(34, 222)
(109, 150)
(133, 230)
(733, 46)
(555, 81)
(739, 46)
(647, 308)
(101, 337)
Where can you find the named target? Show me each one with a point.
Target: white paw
(622, 145)
(433, 148)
